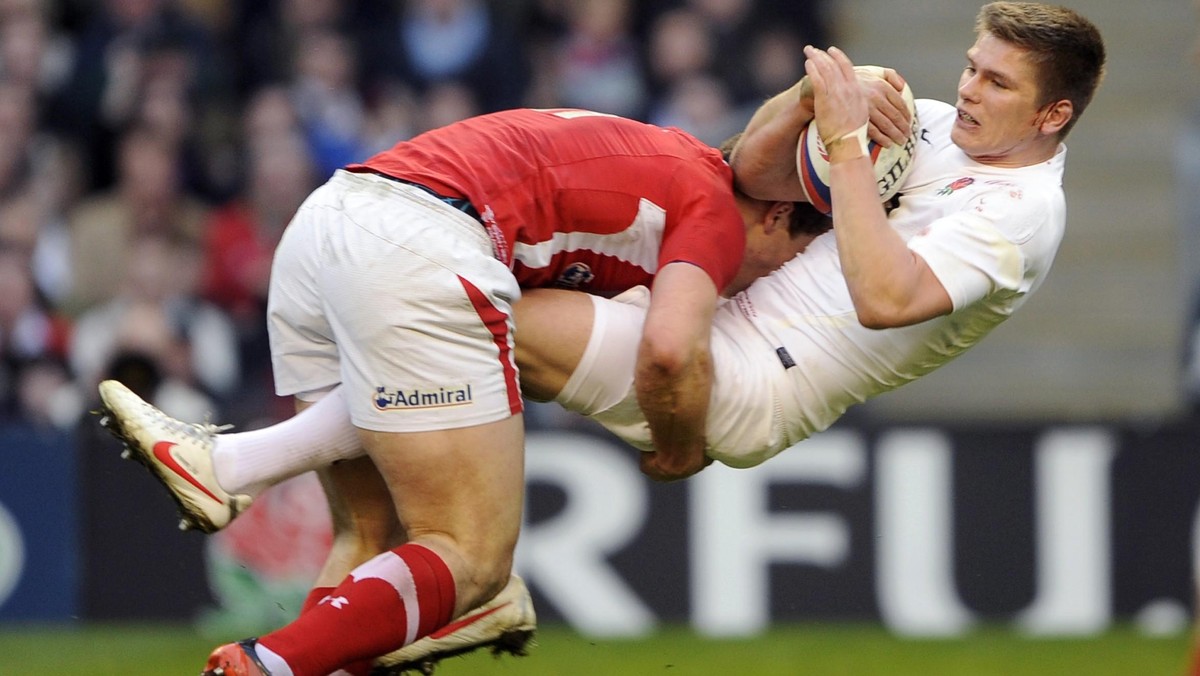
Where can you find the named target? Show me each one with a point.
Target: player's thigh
(359, 502)
(460, 492)
(554, 326)
(603, 378)
(364, 519)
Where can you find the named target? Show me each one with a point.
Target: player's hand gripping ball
(892, 165)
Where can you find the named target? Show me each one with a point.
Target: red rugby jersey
(582, 200)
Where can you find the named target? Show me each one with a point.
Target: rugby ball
(892, 165)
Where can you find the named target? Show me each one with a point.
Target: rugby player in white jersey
(886, 297)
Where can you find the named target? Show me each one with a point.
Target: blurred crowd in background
(152, 152)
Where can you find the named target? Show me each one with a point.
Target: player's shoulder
(1019, 208)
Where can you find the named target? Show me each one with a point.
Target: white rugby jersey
(789, 353)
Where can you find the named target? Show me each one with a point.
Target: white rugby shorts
(745, 415)
(382, 287)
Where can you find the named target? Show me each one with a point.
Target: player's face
(999, 119)
(766, 253)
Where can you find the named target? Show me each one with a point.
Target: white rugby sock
(250, 462)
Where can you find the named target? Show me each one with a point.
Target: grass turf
(793, 650)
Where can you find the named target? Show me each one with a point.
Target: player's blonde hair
(1065, 48)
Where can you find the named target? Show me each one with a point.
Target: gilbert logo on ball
(892, 165)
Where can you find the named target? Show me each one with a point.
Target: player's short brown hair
(1065, 48)
(806, 220)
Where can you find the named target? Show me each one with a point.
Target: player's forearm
(764, 160)
(673, 374)
(882, 274)
(889, 284)
(675, 404)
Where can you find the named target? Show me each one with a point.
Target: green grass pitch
(793, 650)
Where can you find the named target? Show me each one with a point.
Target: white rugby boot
(179, 454)
(506, 624)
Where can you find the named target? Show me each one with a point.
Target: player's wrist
(848, 146)
(806, 100)
(806, 89)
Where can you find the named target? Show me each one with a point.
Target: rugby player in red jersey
(394, 285)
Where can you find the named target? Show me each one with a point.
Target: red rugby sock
(390, 601)
(314, 597)
(360, 668)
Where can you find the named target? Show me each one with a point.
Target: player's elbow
(895, 301)
(765, 183)
(878, 313)
(874, 319)
(668, 357)
(747, 173)
(664, 357)
(885, 315)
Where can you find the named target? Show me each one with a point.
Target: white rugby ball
(892, 165)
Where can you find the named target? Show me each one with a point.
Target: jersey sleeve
(704, 226)
(978, 251)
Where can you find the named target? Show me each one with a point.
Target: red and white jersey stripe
(579, 199)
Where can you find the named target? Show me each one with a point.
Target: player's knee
(481, 565)
(361, 544)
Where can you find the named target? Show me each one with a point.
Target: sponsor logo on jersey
(406, 399)
(499, 244)
(958, 184)
(575, 276)
(745, 305)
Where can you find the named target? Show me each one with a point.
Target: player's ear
(778, 215)
(1057, 115)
